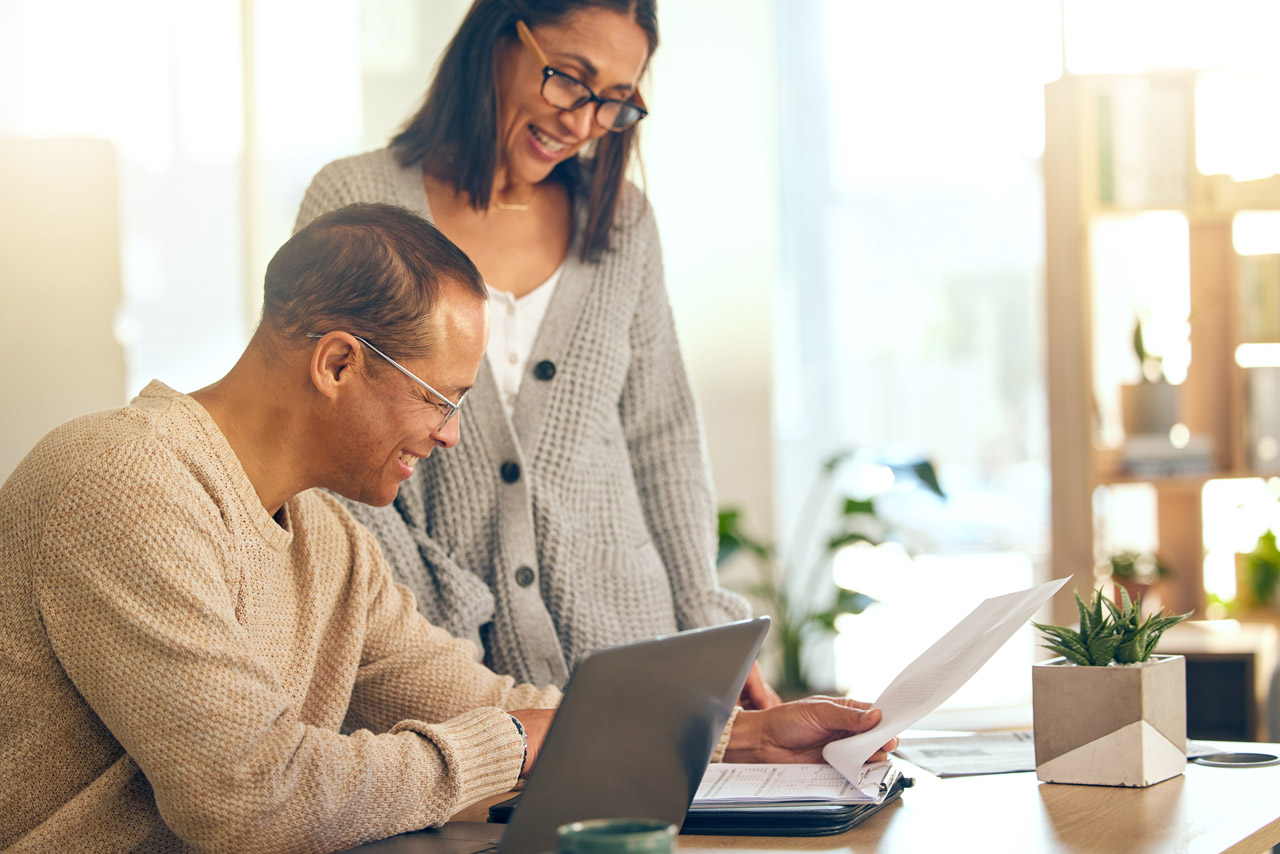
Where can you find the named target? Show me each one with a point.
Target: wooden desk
(1205, 811)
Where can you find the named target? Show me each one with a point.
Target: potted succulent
(1108, 712)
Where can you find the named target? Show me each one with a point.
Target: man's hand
(536, 722)
(797, 732)
(756, 693)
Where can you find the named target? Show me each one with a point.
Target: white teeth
(408, 459)
(547, 142)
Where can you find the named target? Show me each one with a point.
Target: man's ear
(331, 360)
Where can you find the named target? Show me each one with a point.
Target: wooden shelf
(1178, 481)
(1083, 183)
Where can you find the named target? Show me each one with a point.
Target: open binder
(769, 818)
(790, 817)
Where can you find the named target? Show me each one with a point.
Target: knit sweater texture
(586, 517)
(177, 664)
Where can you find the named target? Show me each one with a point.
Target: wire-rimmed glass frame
(450, 408)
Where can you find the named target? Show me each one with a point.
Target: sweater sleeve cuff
(723, 744)
(482, 750)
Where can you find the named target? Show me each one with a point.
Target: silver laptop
(632, 738)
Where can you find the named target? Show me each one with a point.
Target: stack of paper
(743, 785)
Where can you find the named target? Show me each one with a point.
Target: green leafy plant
(1108, 632)
(1262, 569)
(796, 589)
(1137, 566)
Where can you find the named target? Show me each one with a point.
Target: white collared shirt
(513, 326)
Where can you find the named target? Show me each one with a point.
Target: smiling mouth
(408, 459)
(547, 143)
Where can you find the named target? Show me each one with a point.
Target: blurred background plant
(1136, 573)
(1259, 573)
(796, 589)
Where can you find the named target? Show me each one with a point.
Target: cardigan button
(510, 472)
(524, 576)
(545, 370)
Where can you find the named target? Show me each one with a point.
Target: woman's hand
(797, 732)
(756, 693)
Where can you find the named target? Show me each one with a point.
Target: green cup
(617, 836)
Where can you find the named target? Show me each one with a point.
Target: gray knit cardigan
(586, 518)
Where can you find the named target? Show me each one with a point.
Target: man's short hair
(373, 270)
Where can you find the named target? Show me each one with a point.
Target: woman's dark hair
(455, 133)
(372, 270)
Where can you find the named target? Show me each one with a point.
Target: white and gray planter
(1120, 725)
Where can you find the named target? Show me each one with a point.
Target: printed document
(743, 784)
(940, 671)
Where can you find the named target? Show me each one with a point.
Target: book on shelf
(1154, 455)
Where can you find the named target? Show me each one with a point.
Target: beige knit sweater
(176, 664)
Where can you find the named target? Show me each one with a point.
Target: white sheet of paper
(940, 671)
(725, 784)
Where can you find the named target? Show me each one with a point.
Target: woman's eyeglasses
(566, 92)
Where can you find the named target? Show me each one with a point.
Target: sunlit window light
(1258, 355)
(1105, 36)
(1237, 130)
(1256, 232)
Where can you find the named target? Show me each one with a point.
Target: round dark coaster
(1238, 760)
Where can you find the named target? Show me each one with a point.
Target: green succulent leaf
(1069, 654)
(1065, 639)
(1102, 649)
(1084, 614)
(1108, 632)
(1132, 651)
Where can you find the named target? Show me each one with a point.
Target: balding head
(373, 270)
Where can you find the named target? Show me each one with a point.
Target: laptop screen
(635, 731)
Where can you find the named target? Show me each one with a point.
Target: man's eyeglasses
(565, 92)
(446, 407)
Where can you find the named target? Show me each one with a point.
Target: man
(186, 623)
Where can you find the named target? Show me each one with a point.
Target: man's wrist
(743, 742)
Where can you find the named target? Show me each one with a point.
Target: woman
(577, 510)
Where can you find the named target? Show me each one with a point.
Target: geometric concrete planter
(1110, 726)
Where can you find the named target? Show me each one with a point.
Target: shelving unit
(1084, 180)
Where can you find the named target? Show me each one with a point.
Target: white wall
(710, 150)
(59, 287)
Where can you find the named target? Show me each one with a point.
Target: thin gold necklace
(503, 206)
